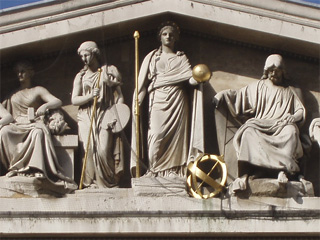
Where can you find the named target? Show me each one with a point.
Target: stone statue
(5, 116)
(164, 79)
(267, 144)
(314, 130)
(105, 152)
(26, 145)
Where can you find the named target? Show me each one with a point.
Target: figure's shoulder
(78, 76)
(297, 91)
(110, 68)
(150, 54)
(38, 89)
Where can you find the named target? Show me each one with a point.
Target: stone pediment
(53, 31)
(268, 24)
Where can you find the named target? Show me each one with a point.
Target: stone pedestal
(266, 187)
(65, 146)
(159, 186)
(25, 187)
(118, 212)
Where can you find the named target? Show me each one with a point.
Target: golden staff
(136, 36)
(90, 131)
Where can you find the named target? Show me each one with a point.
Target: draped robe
(168, 134)
(105, 153)
(266, 140)
(26, 145)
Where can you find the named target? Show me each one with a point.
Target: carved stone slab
(265, 187)
(159, 186)
(24, 187)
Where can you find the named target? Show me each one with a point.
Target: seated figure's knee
(37, 133)
(5, 130)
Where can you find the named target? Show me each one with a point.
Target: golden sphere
(201, 73)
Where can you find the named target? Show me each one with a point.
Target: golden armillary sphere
(201, 73)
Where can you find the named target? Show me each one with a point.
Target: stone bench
(65, 146)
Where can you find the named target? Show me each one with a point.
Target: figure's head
(168, 33)
(24, 70)
(274, 69)
(87, 51)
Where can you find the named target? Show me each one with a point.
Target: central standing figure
(164, 78)
(105, 155)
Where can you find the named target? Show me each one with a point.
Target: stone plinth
(159, 186)
(65, 146)
(266, 187)
(110, 212)
(21, 186)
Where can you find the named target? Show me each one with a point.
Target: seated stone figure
(26, 145)
(267, 144)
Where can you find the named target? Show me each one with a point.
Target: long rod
(90, 131)
(136, 36)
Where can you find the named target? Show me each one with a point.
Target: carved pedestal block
(23, 186)
(265, 187)
(65, 146)
(159, 186)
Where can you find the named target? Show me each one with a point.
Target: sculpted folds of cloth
(270, 137)
(105, 148)
(163, 79)
(26, 145)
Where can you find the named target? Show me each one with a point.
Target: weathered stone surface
(119, 211)
(266, 187)
(21, 186)
(159, 186)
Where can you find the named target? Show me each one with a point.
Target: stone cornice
(111, 211)
(31, 28)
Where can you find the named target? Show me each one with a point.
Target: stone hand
(289, 118)
(112, 81)
(112, 124)
(95, 92)
(41, 110)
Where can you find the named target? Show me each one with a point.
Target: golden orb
(201, 73)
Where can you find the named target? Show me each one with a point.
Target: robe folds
(105, 153)
(26, 145)
(265, 139)
(170, 141)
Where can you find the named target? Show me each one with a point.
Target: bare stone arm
(77, 98)
(51, 102)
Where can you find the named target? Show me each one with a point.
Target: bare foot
(282, 178)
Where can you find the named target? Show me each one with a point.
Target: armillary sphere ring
(196, 177)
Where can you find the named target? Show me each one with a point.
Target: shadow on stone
(20, 186)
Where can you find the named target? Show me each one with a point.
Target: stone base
(20, 186)
(159, 186)
(65, 146)
(118, 213)
(266, 187)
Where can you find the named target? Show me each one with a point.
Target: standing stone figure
(105, 154)
(26, 147)
(164, 78)
(267, 144)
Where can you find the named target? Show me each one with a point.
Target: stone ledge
(119, 211)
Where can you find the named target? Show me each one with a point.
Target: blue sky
(13, 3)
